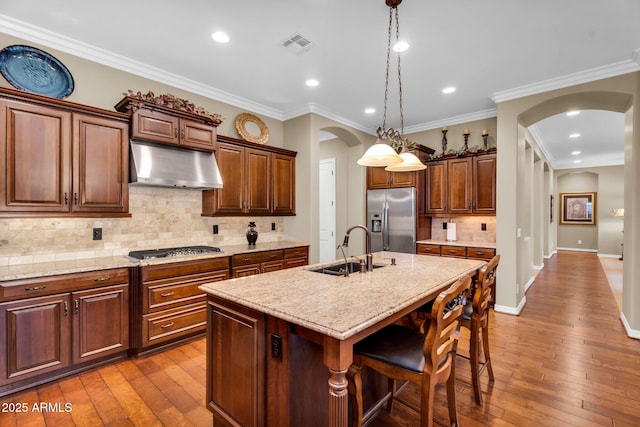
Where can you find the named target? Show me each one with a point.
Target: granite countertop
(42, 269)
(341, 307)
(460, 243)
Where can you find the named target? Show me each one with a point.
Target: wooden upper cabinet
(436, 187)
(60, 158)
(484, 190)
(378, 177)
(462, 186)
(283, 175)
(101, 157)
(256, 181)
(166, 128)
(35, 158)
(230, 198)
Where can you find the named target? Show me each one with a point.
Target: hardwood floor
(565, 361)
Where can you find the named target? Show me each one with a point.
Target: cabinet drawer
(164, 271)
(17, 289)
(427, 249)
(170, 324)
(453, 251)
(166, 293)
(481, 253)
(296, 252)
(257, 257)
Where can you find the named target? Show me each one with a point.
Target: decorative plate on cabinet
(33, 70)
(251, 128)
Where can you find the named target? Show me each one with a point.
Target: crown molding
(83, 50)
(464, 118)
(535, 132)
(593, 74)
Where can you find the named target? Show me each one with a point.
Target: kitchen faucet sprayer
(345, 244)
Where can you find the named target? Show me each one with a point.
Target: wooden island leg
(338, 356)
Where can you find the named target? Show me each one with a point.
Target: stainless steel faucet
(345, 244)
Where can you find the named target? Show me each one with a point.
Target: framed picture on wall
(578, 208)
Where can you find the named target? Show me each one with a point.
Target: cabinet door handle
(66, 198)
(168, 325)
(181, 133)
(76, 306)
(167, 294)
(102, 279)
(75, 198)
(35, 288)
(175, 133)
(65, 310)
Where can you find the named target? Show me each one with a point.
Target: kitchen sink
(338, 269)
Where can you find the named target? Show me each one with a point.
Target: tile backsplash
(468, 229)
(160, 217)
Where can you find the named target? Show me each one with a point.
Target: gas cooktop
(172, 252)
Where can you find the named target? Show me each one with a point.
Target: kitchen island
(262, 332)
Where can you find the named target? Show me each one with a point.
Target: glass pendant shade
(409, 163)
(380, 154)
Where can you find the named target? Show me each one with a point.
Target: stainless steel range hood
(163, 166)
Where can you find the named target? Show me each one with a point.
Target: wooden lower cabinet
(471, 252)
(248, 264)
(235, 365)
(169, 306)
(45, 336)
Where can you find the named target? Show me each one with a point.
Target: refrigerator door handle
(385, 226)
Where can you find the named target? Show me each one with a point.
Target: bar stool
(402, 353)
(476, 319)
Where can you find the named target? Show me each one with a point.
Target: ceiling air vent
(297, 43)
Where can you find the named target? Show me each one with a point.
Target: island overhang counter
(255, 324)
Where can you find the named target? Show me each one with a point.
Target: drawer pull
(167, 294)
(246, 259)
(273, 256)
(102, 279)
(479, 253)
(35, 288)
(168, 325)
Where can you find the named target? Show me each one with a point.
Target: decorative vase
(252, 234)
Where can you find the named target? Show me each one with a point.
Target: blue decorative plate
(33, 70)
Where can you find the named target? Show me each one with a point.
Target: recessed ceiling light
(575, 153)
(573, 113)
(577, 161)
(574, 135)
(401, 46)
(449, 89)
(312, 83)
(220, 37)
(369, 110)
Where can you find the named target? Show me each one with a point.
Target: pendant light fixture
(384, 151)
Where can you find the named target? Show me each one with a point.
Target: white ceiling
(491, 50)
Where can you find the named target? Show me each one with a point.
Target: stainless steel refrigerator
(391, 216)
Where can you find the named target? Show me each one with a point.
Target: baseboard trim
(631, 333)
(511, 310)
(578, 249)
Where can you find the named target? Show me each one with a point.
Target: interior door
(327, 210)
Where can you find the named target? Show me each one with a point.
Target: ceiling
(491, 51)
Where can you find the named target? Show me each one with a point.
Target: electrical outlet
(97, 234)
(276, 347)
(579, 242)
(273, 226)
(215, 229)
(483, 226)
(444, 225)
